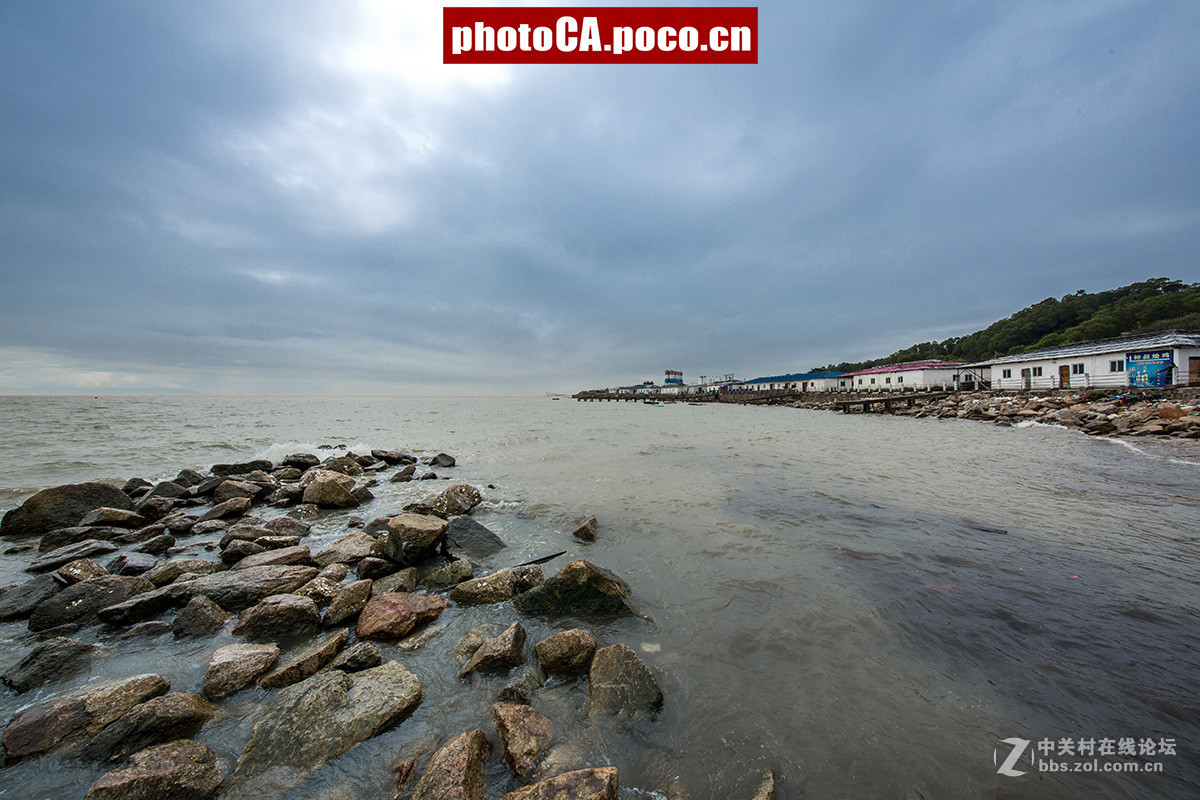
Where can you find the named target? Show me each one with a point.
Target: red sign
(564, 35)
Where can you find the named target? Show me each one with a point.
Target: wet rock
(348, 603)
(566, 653)
(585, 531)
(154, 627)
(329, 489)
(135, 487)
(20, 601)
(237, 590)
(373, 568)
(132, 564)
(349, 549)
(230, 489)
(61, 507)
(113, 517)
(301, 461)
(454, 501)
(178, 715)
(316, 720)
(766, 789)
(168, 571)
(64, 720)
(362, 655)
(441, 460)
(620, 684)
(345, 465)
(390, 616)
(403, 475)
(143, 605)
(307, 661)
(579, 588)
(321, 590)
(497, 653)
(501, 585)
(451, 574)
(239, 549)
(281, 557)
(181, 770)
(236, 666)
(288, 526)
(335, 572)
(230, 509)
(153, 509)
(61, 537)
(403, 581)
(83, 569)
(225, 470)
(209, 526)
(411, 537)
(200, 617)
(65, 555)
(585, 784)
(522, 684)
(189, 477)
(279, 616)
(525, 736)
(168, 489)
(157, 545)
(140, 535)
(471, 539)
(79, 604)
(456, 770)
(52, 660)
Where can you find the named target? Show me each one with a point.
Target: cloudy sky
(280, 197)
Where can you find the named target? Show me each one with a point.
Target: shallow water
(866, 605)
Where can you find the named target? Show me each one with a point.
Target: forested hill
(1154, 305)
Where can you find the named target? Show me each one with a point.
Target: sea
(867, 606)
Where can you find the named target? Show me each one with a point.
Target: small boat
(652, 402)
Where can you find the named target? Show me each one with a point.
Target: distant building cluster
(1169, 358)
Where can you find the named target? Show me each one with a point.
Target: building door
(1064, 376)
(1026, 379)
(1194, 371)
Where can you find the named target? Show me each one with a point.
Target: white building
(1169, 358)
(912, 375)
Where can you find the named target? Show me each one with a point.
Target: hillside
(1152, 305)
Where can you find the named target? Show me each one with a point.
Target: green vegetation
(1157, 304)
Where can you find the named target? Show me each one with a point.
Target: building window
(900, 379)
(1116, 366)
(872, 381)
(860, 381)
(841, 383)
(1077, 369)
(1006, 373)
(1036, 372)
(887, 380)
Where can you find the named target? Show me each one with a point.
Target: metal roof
(807, 376)
(1122, 344)
(910, 366)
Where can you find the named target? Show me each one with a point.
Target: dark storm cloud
(240, 197)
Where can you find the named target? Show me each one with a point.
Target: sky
(252, 197)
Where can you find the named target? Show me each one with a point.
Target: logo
(1018, 749)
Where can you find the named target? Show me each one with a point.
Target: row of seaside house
(1168, 358)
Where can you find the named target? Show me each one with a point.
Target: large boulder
(583, 784)
(80, 604)
(20, 601)
(307, 661)
(472, 540)
(311, 722)
(412, 537)
(350, 549)
(579, 588)
(279, 616)
(61, 507)
(181, 770)
(390, 616)
(456, 770)
(177, 715)
(566, 653)
(497, 653)
(239, 589)
(52, 660)
(501, 585)
(621, 685)
(236, 666)
(64, 720)
(525, 736)
(329, 489)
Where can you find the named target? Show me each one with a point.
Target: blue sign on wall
(1150, 367)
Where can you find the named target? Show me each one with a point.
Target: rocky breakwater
(312, 638)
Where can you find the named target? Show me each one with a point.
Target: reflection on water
(864, 605)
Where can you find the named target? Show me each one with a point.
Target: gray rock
(281, 557)
(239, 549)
(189, 477)
(230, 489)
(348, 602)
(403, 581)
(318, 719)
(153, 509)
(620, 684)
(168, 571)
(442, 460)
(52, 660)
(144, 605)
(135, 487)
(456, 770)
(301, 461)
(132, 564)
(501, 585)
(225, 470)
(579, 588)
(115, 517)
(362, 655)
(350, 549)
(69, 718)
(373, 568)
(307, 661)
(600, 783)
(237, 590)
(200, 617)
(277, 617)
(525, 736)
(320, 589)
(82, 569)
(585, 531)
(411, 537)
(451, 574)
(209, 526)
(153, 627)
(468, 537)
(522, 684)
(236, 666)
(403, 475)
(454, 500)
(177, 715)
(232, 508)
(181, 770)
(157, 545)
(566, 653)
(288, 526)
(65, 555)
(498, 653)
(60, 507)
(79, 604)
(61, 537)
(329, 489)
(168, 489)
(20, 601)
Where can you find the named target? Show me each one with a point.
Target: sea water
(867, 606)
